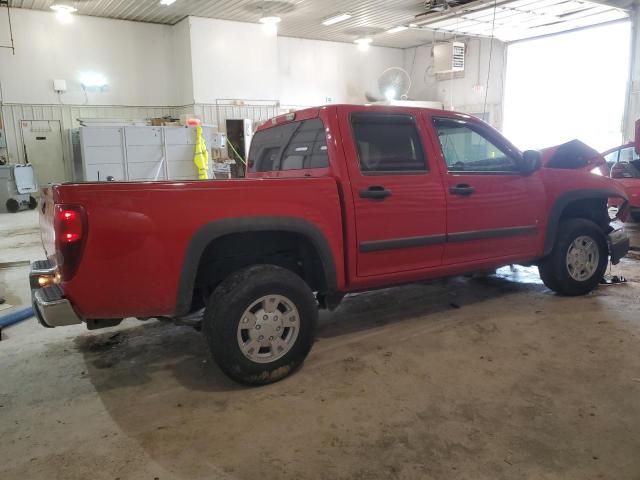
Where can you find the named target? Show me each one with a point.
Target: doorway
(42, 142)
(568, 86)
(238, 139)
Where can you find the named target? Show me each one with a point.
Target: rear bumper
(49, 305)
(618, 241)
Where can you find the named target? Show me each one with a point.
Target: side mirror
(531, 161)
(636, 140)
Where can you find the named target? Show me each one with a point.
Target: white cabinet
(145, 153)
(142, 153)
(102, 153)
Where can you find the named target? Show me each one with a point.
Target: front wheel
(578, 260)
(260, 324)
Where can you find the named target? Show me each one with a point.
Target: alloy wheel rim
(583, 257)
(268, 328)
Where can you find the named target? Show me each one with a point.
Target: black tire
(12, 205)
(553, 269)
(225, 309)
(33, 203)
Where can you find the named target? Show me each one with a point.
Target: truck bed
(139, 233)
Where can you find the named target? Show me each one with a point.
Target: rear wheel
(12, 205)
(33, 203)
(260, 324)
(578, 260)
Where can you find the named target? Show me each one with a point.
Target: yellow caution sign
(201, 156)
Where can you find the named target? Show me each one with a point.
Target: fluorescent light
(63, 8)
(363, 43)
(93, 80)
(63, 12)
(166, 3)
(270, 24)
(397, 29)
(338, 17)
(270, 20)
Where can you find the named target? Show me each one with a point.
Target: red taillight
(70, 225)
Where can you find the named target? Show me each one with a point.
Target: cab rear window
(292, 146)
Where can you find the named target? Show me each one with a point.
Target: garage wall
(237, 60)
(182, 73)
(194, 65)
(232, 60)
(156, 70)
(310, 71)
(134, 57)
(465, 94)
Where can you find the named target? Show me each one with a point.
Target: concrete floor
(493, 378)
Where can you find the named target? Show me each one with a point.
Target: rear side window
(387, 142)
(293, 146)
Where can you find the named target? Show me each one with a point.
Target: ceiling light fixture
(363, 43)
(63, 8)
(63, 12)
(270, 24)
(166, 3)
(338, 17)
(397, 29)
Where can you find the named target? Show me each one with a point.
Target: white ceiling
(302, 18)
(520, 19)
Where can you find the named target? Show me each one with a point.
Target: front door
(43, 149)
(493, 210)
(397, 191)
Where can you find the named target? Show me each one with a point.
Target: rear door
(397, 191)
(493, 210)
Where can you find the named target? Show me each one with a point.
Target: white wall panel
(135, 58)
(232, 60)
(310, 71)
(462, 94)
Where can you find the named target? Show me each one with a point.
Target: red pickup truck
(338, 199)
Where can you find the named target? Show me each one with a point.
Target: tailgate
(46, 222)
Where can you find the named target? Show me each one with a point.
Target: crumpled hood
(571, 155)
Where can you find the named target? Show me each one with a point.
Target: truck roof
(312, 112)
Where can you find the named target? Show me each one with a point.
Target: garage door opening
(567, 86)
